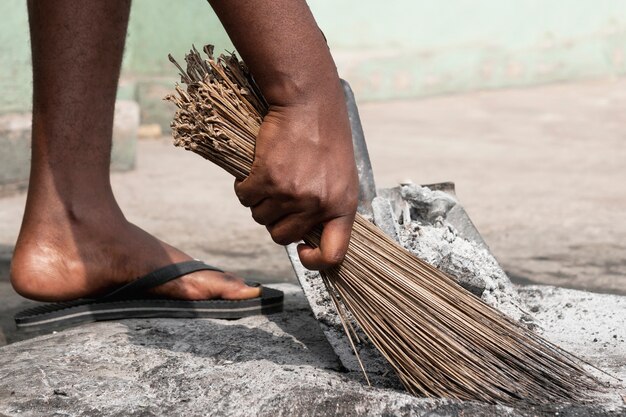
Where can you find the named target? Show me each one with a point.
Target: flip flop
(127, 302)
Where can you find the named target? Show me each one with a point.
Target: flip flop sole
(87, 311)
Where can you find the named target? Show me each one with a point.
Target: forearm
(283, 47)
(303, 173)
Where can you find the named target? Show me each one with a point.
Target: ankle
(71, 205)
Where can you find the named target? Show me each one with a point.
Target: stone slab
(279, 365)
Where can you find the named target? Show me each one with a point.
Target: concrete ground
(276, 365)
(541, 172)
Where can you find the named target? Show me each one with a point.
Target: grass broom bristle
(441, 340)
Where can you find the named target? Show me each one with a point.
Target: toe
(207, 285)
(235, 288)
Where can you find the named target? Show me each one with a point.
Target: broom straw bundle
(441, 340)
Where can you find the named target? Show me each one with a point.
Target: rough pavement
(279, 365)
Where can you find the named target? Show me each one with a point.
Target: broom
(441, 340)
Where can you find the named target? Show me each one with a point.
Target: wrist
(303, 87)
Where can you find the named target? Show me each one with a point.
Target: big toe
(232, 287)
(205, 285)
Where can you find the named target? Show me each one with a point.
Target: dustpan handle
(367, 187)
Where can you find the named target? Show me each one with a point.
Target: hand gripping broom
(441, 340)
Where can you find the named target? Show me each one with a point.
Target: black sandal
(127, 302)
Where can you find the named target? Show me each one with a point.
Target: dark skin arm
(304, 172)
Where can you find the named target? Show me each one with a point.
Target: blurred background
(520, 103)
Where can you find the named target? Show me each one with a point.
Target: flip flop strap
(158, 277)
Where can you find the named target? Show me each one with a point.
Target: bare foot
(65, 256)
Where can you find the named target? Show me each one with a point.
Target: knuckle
(242, 197)
(349, 200)
(281, 238)
(273, 178)
(283, 235)
(334, 257)
(242, 200)
(314, 202)
(286, 190)
(318, 201)
(258, 217)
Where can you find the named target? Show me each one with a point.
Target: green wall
(160, 27)
(402, 48)
(15, 76)
(413, 48)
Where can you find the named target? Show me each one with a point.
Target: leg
(74, 241)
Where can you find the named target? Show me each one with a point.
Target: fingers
(249, 191)
(292, 228)
(270, 211)
(333, 245)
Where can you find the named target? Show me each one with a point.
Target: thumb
(333, 246)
